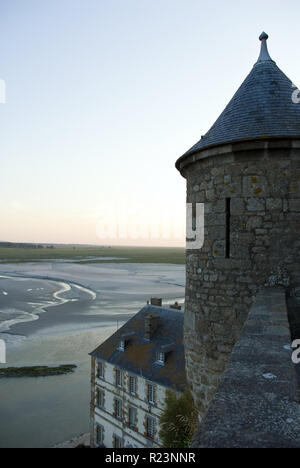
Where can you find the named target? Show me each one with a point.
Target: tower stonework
(246, 171)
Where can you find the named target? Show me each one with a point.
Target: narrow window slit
(194, 214)
(227, 237)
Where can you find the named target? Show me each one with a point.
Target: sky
(102, 97)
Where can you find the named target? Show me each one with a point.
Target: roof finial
(264, 54)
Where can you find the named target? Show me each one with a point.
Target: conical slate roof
(265, 105)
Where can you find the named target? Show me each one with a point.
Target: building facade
(131, 373)
(246, 172)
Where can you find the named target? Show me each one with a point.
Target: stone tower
(246, 171)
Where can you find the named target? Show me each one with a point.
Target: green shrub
(178, 420)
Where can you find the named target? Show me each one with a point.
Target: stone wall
(262, 181)
(257, 402)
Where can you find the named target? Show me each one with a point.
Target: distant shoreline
(81, 254)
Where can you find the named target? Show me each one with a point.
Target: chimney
(156, 301)
(151, 325)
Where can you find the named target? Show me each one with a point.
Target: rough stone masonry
(246, 171)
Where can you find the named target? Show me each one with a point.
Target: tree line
(23, 245)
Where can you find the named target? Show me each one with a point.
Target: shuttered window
(100, 398)
(118, 378)
(118, 408)
(132, 385)
(151, 394)
(150, 423)
(117, 441)
(100, 372)
(132, 416)
(100, 434)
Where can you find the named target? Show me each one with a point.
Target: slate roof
(139, 356)
(262, 107)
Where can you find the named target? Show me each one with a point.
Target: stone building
(246, 172)
(131, 372)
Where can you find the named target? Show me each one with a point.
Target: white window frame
(119, 378)
(132, 384)
(100, 398)
(150, 425)
(160, 357)
(151, 394)
(100, 370)
(122, 345)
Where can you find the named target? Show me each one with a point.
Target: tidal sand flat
(24, 300)
(56, 297)
(76, 307)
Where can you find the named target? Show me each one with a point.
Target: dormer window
(163, 353)
(124, 341)
(122, 345)
(160, 357)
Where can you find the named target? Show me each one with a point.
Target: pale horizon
(101, 99)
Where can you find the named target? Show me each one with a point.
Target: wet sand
(47, 411)
(99, 295)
